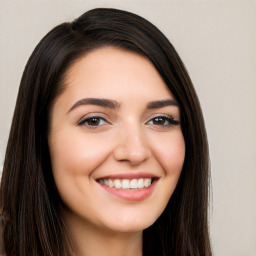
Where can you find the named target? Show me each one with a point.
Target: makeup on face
(116, 144)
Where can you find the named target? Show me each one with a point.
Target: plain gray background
(216, 40)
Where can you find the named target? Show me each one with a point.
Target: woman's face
(115, 141)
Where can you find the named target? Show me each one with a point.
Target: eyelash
(86, 120)
(99, 119)
(164, 118)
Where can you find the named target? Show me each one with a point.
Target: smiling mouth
(129, 187)
(127, 184)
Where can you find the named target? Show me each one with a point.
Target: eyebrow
(162, 103)
(112, 104)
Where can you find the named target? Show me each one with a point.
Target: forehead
(109, 71)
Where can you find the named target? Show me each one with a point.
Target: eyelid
(91, 116)
(172, 121)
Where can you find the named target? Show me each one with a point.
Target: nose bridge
(132, 144)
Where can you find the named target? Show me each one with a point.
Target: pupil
(94, 121)
(159, 121)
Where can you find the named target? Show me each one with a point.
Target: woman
(107, 153)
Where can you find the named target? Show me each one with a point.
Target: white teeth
(126, 183)
(133, 183)
(140, 183)
(147, 182)
(110, 183)
(117, 183)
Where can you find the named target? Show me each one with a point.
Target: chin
(134, 224)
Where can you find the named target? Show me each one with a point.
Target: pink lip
(131, 195)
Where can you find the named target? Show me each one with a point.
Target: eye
(163, 121)
(93, 122)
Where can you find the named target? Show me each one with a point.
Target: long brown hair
(29, 200)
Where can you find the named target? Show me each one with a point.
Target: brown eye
(159, 121)
(93, 121)
(163, 121)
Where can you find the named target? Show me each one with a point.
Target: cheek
(74, 157)
(171, 153)
(75, 154)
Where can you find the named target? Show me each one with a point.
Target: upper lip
(134, 175)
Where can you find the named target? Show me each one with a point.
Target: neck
(90, 240)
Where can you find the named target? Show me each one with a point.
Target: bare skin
(116, 124)
(93, 242)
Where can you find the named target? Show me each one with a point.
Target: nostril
(134, 156)
(132, 146)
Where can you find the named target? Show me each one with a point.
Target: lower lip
(131, 195)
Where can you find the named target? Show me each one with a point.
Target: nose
(132, 146)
